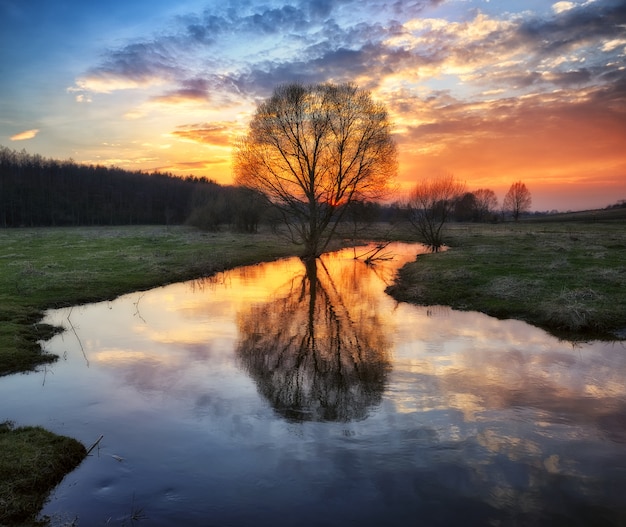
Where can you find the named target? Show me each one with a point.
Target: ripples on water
(284, 395)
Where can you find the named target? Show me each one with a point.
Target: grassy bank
(32, 462)
(45, 268)
(566, 277)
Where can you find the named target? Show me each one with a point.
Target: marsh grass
(568, 278)
(32, 462)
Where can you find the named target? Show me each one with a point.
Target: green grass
(569, 278)
(32, 462)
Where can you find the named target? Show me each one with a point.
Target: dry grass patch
(511, 287)
(573, 310)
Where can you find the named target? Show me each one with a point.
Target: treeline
(35, 191)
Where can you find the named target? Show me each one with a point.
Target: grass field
(32, 462)
(568, 277)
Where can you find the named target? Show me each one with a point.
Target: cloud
(217, 133)
(560, 141)
(299, 40)
(192, 90)
(109, 82)
(520, 53)
(218, 89)
(579, 26)
(27, 134)
(193, 165)
(560, 7)
(464, 82)
(445, 119)
(137, 65)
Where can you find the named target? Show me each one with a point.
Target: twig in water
(77, 337)
(136, 304)
(375, 254)
(136, 513)
(95, 444)
(45, 372)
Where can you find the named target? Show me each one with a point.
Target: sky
(490, 91)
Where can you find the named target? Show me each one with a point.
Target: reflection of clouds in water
(508, 362)
(522, 396)
(504, 462)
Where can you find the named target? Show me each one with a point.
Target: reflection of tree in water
(315, 352)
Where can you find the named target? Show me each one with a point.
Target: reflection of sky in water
(464, 419)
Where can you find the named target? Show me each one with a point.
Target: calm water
(276, 395)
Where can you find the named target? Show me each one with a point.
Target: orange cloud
(219, 134)
(186, 166)
(28, 134)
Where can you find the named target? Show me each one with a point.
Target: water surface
(283, 395)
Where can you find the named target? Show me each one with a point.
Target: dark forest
(35, 191)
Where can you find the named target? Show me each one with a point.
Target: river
(285, 395)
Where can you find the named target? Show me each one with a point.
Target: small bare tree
(486, 203)
(313, 150)
(517, 200)
(430, 205)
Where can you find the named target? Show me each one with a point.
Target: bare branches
(311, 150)
(517, 200)
(430, 206)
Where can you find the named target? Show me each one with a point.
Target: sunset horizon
(534, 92)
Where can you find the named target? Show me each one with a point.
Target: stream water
(286, 395)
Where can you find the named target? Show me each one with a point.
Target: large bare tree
(517, 200)
(313, 150)
(430, 206)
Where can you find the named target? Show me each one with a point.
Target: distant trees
(35, 191)
(214, 206)
(314, 150)
(465, 207)
(517, 200)
(620, 204)
(430, 206)
(210, 207)
(485, 204)
(477, 205)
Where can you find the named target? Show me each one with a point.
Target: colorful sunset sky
(490, 91)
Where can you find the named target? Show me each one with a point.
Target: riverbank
(566, 277)
(32, 462)
(57, 267)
